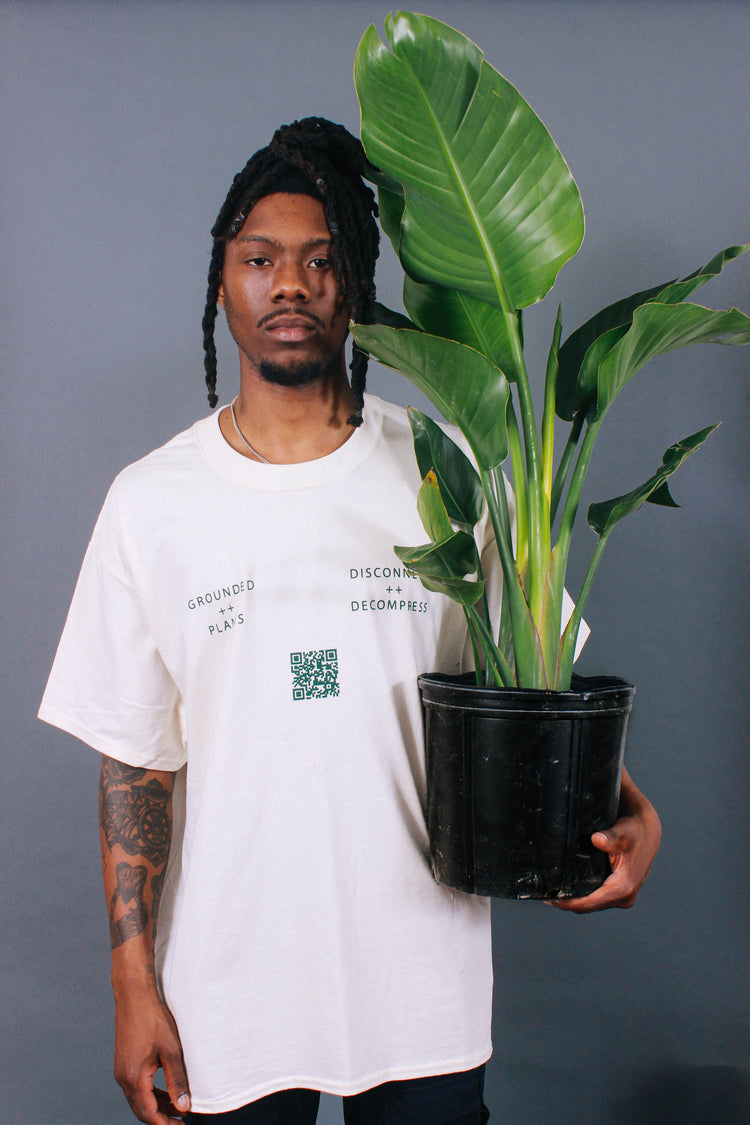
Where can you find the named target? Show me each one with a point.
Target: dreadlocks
(318, 158)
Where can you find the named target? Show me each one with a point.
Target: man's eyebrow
(268, 241)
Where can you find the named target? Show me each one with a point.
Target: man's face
(279, 292)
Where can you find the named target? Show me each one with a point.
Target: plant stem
(528, 417)
(538, 556)
(548, 415)
(519, 486)
(573, 499)
(537, 504)
(488, 622)
(474, 649)
(570, 635)
(526, 404)
(565, 462)
(529, 652)
(495, 659)
(527, 647)
(539, 551)
(497, 505)
(566, 646)
(505, 628)
(484, 602)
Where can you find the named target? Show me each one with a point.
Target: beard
(299, 375)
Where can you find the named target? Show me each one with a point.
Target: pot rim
(587, 694)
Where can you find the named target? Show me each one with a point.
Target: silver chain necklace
(242, 437)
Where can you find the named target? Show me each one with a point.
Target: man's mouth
(290, 326)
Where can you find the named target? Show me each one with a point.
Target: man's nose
(290, 283)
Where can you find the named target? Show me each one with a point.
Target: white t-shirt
(251, 623)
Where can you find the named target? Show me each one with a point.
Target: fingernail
(183, 1102)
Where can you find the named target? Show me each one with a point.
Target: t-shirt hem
(339, 1089)
(102, 745)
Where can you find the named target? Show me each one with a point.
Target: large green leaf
(466, 388)
(491, 206)
(568, 397)
(658, 329)
(390, 212)
(458, 480)
(584, 349)
(448, 312)
(603, 516)
(458, 316)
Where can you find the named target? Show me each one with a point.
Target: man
(244, 644)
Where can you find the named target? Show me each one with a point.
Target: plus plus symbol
(398, 589)
(222, 612)
(230, 608)
(389, 589)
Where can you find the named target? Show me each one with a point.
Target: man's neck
(289, 425)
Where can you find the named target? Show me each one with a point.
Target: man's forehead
(259, 237)
(285, 213)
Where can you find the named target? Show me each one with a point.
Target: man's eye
(320, 263)
(257, 261)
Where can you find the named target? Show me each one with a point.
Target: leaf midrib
(505, 302)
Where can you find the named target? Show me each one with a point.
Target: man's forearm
(135, 822)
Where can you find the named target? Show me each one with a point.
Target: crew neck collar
(306, 474)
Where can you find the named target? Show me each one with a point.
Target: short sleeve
(109, 685)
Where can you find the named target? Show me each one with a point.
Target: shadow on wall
(688, 1095)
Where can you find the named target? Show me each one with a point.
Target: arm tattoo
(135, 816)
(137, 820)
(117, 773)
(129, 889)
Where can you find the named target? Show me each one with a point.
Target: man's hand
(632, 843)
(145, 1039)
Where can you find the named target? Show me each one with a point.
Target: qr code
(315, 674)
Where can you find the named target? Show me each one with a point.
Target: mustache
(291, 311)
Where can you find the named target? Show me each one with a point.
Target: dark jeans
(445, 1099)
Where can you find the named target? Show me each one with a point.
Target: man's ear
(220, 295)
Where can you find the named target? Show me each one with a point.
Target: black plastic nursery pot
(517, 781)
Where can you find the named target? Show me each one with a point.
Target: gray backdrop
(122, 125)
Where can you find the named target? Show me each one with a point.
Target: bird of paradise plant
(483, 212)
